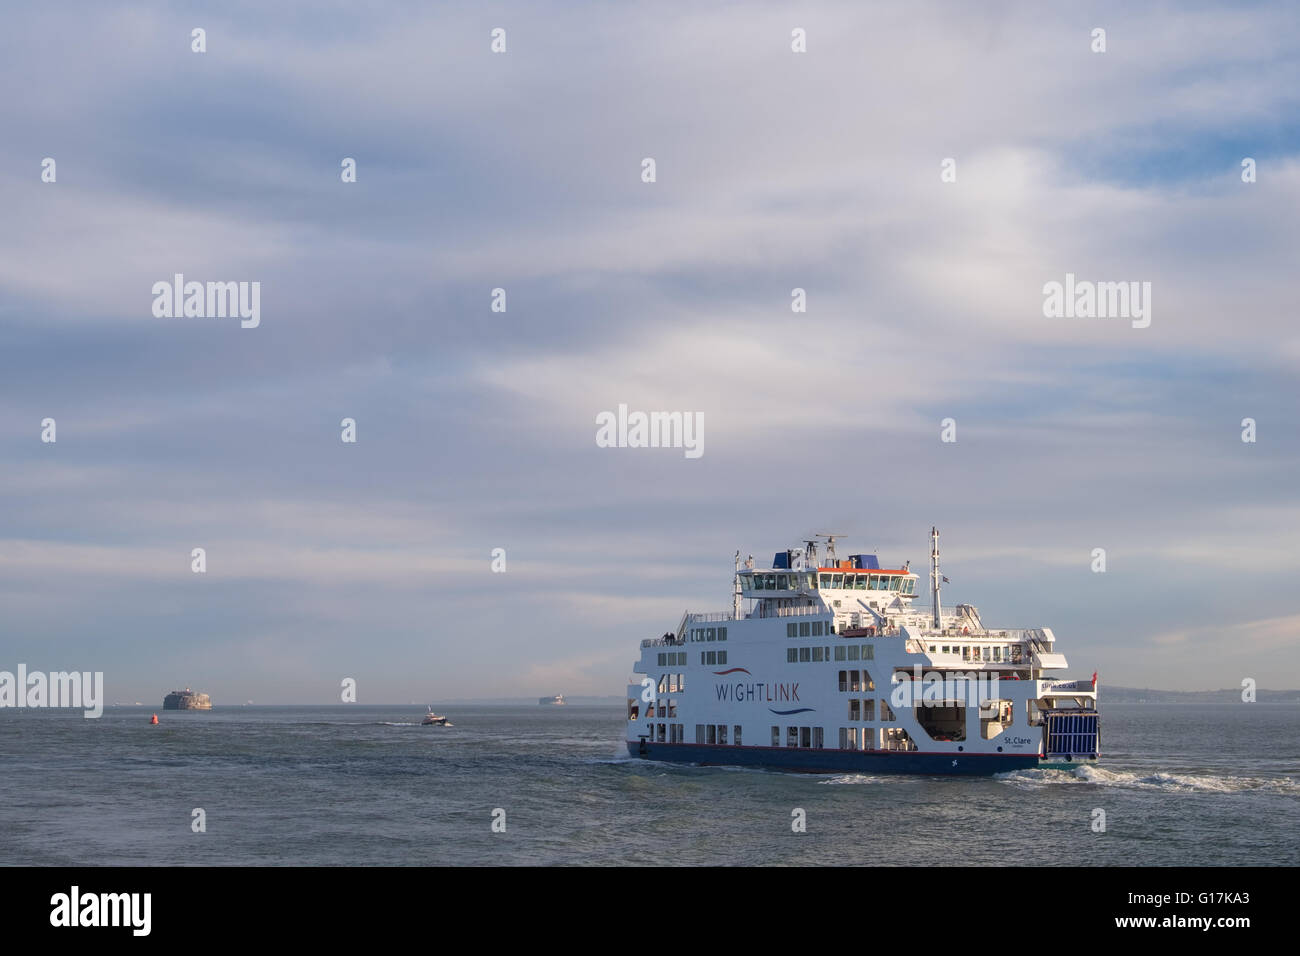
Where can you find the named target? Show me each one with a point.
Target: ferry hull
(799, 760)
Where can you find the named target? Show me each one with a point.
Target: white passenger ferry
(825, 666)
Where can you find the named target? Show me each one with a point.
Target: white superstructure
(826, 666)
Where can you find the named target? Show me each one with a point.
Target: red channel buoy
(153, 719)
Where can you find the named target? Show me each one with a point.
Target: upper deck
(858, 598)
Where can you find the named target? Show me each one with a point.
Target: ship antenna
(830, 546)
(934, 574)
(735, 595)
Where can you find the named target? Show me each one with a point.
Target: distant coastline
(1114, 694)
(1229, 695)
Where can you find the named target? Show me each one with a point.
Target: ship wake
(1163, 782)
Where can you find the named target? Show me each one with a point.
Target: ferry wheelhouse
(825, 666)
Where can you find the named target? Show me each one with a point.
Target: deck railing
(708, 617)
(797, 611)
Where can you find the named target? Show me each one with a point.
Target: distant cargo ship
(186, 700)
(556, 700)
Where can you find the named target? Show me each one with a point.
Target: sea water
(1185, 784)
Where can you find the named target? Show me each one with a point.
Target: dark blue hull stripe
(834, 761)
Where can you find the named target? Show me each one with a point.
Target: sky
(476, 430)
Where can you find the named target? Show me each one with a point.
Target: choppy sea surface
(1180, 784)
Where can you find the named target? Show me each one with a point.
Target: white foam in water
(854, 778)
(1167, 782)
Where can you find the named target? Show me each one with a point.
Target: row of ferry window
(716, 734)
(849, 681)
(840, 652)
(1010, 653)
(672, 683)
(870, 582)
(805, 737)
(875, 738)
(806, 581)
(672, 658)
(866, 710)
(708, 634)
(663, 707)
(676, 733)
(809, 629)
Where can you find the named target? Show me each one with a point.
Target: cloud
(776, 171)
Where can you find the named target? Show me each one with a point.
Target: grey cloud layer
(775, 171)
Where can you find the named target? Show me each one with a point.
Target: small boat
(435, 720)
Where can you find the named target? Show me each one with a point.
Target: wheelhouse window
(782, 584)
(825, 580)
(837, 580)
